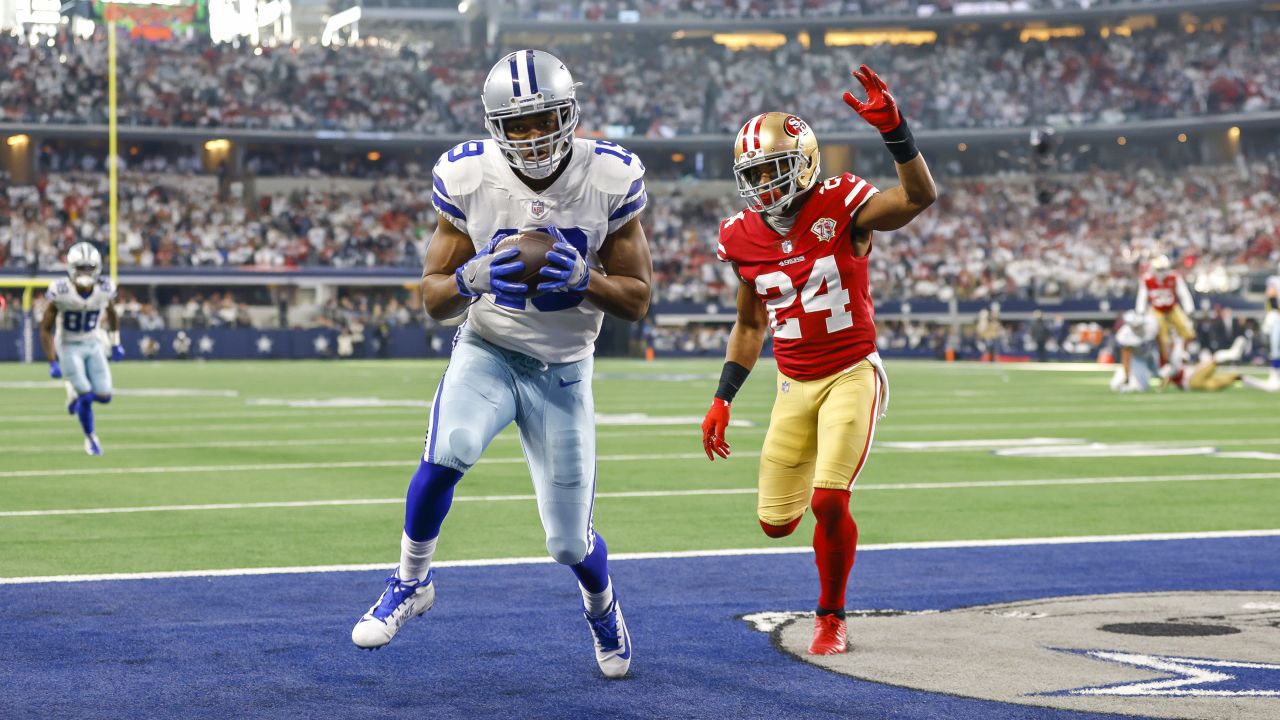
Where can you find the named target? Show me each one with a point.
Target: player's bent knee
(780, 530)
(830, 505)
(103, 398)
(567, 551)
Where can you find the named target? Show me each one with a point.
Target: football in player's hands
(532, 247)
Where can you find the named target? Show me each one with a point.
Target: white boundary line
(541, 560)
(868, 487)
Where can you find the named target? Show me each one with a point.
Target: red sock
(834, 541)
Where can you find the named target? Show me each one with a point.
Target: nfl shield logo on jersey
(538, 209)
(824, 228)
(786, 246)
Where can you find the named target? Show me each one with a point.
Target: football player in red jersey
(800, 250)
(1165, 293)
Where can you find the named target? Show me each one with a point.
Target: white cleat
(91, 445)
(612, 641)
(399, 602)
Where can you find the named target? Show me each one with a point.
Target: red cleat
(828, 636)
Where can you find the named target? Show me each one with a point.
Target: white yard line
(866, 487)
(276, 467)
(734, 552)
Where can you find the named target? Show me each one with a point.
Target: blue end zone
(510, 641)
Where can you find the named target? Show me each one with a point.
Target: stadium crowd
(1014, 236)
(634, 86)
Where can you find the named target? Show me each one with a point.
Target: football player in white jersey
(518, 358)
(1271, 329)
(69, 336)
(1139, 355)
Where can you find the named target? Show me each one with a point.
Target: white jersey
(79, 316)
(1136, 335)
(600, 191)
(1271, 318)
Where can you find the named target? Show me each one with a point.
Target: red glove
(713, 427)
(880, 109)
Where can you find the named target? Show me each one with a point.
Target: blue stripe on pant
(84, 365)
(485, 389)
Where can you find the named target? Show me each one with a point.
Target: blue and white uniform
(80, 349)
(1271, 321)
(530, 361)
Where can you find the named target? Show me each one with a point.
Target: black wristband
(902, 146)
(731, 379)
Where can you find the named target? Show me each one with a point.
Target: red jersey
(1162, 293)
(813, 287)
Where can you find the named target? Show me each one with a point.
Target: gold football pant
(819, 436)
(1175, 320)
(1206, 378)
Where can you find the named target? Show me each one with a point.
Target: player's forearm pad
(732, 376)
(901, 144)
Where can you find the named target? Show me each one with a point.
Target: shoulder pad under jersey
(612, 169)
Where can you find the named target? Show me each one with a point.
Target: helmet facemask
(84, 276)
(774, 195)
(536, 157)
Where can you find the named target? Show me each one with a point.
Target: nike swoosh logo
(567, 383)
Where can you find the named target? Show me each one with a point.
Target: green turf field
(227, 434)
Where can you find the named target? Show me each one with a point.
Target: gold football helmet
(775, 158)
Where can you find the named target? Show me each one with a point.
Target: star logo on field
(205, 343)
(1186, 677)
(264, 345)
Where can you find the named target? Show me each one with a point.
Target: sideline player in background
(1271, 329)
(1165, 294)
(76, 306)
(800, 251)
(521, 359)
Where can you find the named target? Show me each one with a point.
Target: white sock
(415, 557)
(597, 603)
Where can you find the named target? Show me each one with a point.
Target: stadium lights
(1182, 137)
(218, 146)
(962, 147)
(1121, 141)
(869, 38)
(18, 140)
(1234, 133)
(374, 156)
(464, 6)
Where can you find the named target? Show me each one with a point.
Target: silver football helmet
(524, 83)
(84, 265)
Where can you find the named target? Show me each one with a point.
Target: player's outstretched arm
(895, 207)
(624, 288)
(448, 250)
(746, 339)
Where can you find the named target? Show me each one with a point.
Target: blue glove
(117, 353)
(55, 372)
(567, 268)
(485, 273)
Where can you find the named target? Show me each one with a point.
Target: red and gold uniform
(1162, 293)
(816, 293)
(800, 250)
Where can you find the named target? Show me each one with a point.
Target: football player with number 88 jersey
(69, 336)
(521, 356)
(801, 251)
